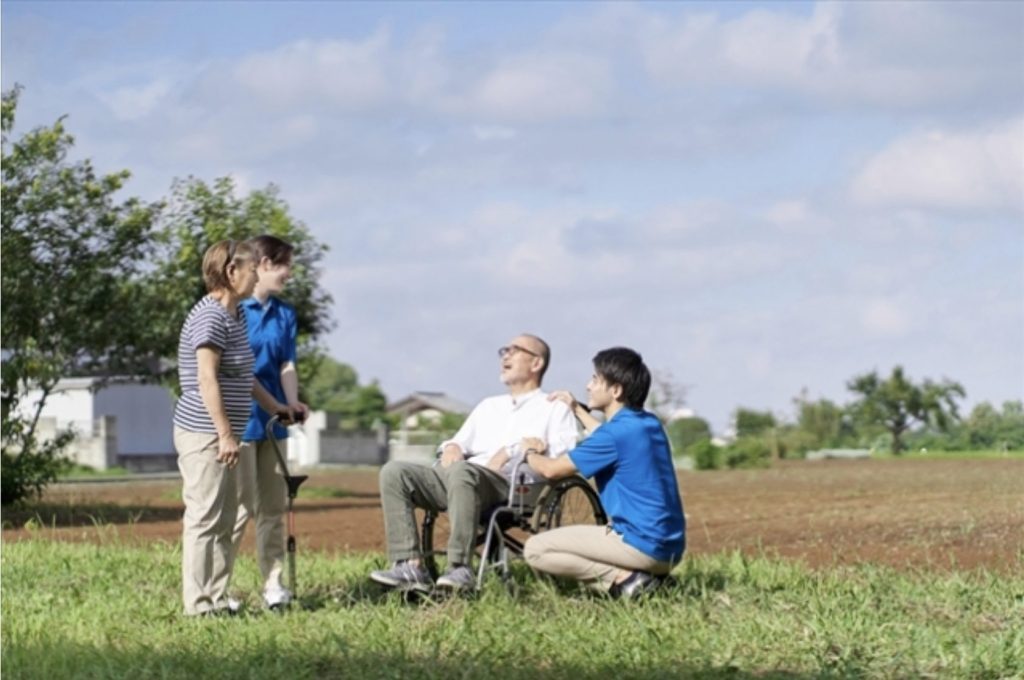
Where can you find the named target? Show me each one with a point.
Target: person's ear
(616, 391)
(538, 364)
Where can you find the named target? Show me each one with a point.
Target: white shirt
(503, 421)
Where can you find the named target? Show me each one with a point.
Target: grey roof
(421, 400)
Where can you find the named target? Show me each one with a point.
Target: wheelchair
(531, 507)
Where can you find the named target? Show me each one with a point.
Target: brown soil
(906, 513)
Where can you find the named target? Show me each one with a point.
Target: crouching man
(630, 460)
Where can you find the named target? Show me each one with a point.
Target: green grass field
(113, 611)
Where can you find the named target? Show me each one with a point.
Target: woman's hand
(227, 450)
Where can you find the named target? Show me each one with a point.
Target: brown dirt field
(907, 513)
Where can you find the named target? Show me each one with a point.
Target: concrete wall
(144, 417)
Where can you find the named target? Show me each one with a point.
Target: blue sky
(761, 198)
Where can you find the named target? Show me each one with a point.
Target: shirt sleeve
(562, 432)
(594, 454)
(208, 329)
(291, 335)
(466, 434)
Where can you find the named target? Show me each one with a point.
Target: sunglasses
(508, 350)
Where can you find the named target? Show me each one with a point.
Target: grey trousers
(462, 489)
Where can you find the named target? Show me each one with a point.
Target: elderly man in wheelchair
(473, 477)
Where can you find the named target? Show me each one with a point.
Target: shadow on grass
(86, 514)
(61, 515)
(341, 659)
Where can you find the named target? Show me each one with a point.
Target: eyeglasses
(508, 350)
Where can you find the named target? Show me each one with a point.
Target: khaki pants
(462, 489)
(210, 493)
(592, 554)
(262, 495)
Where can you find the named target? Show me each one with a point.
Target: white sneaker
(277, 597)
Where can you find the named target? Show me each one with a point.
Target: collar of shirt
(518, 401)
(253, 303)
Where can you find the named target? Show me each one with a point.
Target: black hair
(623, 367)
(273, 248)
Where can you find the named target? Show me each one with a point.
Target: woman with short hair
(215, 371)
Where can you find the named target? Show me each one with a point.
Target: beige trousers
(262, 496)
(591, 554)
(209, 489)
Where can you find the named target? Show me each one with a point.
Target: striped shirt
(210, 325)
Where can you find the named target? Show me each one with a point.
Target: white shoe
(277, 597)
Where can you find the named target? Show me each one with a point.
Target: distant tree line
(892, 414)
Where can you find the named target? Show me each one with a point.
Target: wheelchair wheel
(567, 502)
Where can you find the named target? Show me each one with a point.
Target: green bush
(706, 456)
(748, 452)
(25, 474)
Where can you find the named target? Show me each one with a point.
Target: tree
(684, 433)
(750, 422)
(666, 396)
(821, 423)
(199, 215)
(897, 404)
(335, 388)
(73, 288)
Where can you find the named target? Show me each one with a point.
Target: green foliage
(748, 452)
(199, 215)
(80, 610)
(335, 388)
(897, 404)
(684, 433)
(73, 283)
(751, 423)
(706, 456)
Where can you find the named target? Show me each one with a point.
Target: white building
(124, 422)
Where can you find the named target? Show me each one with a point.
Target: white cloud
(489, 133)
(886, 55)
(543, 85)
(348, 75)
(132, 103)
(941, 169)
(884, 318)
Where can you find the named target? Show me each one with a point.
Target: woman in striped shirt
(215, 369)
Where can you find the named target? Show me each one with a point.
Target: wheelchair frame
(531, 507)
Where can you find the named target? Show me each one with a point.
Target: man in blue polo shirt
(629, 458)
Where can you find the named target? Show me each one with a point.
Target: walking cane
(293, 482)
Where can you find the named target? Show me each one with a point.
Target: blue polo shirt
(272, 331)
(630, 460)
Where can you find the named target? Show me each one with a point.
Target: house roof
(422, 400)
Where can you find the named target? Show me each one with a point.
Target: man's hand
(535, 443)
(498, 460)
(451, 454)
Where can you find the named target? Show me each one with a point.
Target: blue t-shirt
(630, 460)
(272, 331)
